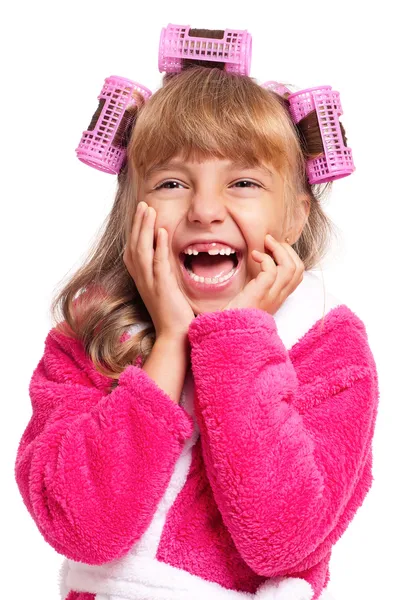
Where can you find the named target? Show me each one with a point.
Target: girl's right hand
(151, 271)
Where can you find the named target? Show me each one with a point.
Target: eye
(247, 181)
(171, 181)
(163, 185)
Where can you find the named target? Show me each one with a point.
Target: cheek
(163, 220)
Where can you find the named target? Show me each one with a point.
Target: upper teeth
(226, 251)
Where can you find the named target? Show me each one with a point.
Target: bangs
(206, 113)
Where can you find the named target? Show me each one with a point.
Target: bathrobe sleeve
(92, 465)
(286, 436)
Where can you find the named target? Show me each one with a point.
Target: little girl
(203, 413)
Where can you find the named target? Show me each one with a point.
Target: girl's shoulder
(310, 302)
(65, 361)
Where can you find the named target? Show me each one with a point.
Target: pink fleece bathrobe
(238, 492)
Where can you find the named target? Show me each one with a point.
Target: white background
(55, 58)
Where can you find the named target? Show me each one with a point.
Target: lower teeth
(210, 279)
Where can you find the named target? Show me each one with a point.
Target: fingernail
(270, 237)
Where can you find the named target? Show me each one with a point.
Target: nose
(206, 207)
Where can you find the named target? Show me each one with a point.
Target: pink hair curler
(101, 146)
(234, 49)
(336, 162)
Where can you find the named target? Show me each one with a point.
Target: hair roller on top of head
(230, 49)
(103, 144)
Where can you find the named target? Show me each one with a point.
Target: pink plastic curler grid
(234, 49)
(97, 147)
(336, 162)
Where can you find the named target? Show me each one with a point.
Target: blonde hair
(200, 113)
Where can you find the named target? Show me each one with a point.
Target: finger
(287, 266)
(279, 251)
(300, 267)
(258, 287)
(145, 243)
(266, 278)
(161, 264)
(267, 262)
(137, 222)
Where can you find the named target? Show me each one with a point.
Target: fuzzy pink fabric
(282, 465)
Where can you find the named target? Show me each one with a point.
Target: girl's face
(215, 200)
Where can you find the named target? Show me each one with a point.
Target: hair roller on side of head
(103, 144)
(336, 159)
(230, 49)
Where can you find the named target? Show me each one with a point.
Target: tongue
(206, 265)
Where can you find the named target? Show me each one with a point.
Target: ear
(302, 211)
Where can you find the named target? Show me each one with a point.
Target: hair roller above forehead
(314, 111)
(181, 46)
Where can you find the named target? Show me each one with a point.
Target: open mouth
(188, 259)
(213, 262)
(210, 272)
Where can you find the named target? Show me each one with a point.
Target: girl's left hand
(275, 282)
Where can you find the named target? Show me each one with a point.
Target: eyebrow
(169, 165)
